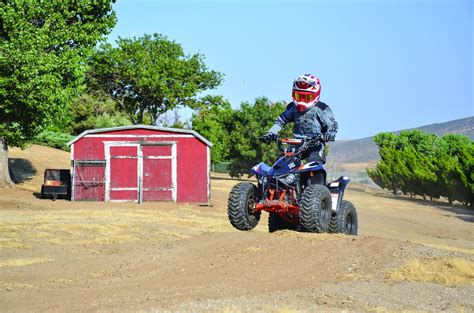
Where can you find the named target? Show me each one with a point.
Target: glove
(326, 137)
(268, 138)
(314, 139)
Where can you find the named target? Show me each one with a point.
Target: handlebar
(303, 143)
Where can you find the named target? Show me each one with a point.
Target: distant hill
(365, 150)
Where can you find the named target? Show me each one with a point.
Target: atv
(295, 195)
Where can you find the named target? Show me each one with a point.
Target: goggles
(305, 97)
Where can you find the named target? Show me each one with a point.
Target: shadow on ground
(21, 170)
(462, 212)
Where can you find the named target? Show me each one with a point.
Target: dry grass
(448, 248)
(24, 261)
(443, 271)
(100, 274)
(253, 250)
(12, 243)
(23, 229)
(263, 309)
(354, 276)
(15, 286)
(380, 309)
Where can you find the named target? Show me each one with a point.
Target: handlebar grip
(267, 138)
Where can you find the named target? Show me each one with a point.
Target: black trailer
(57, 182)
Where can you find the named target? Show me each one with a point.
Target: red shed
(140, 163)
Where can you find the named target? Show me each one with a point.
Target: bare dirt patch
(86, 256)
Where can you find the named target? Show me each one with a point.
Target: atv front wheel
(345, 221)
(241, 206)
(315, 209)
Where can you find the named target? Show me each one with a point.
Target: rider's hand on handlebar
(326, 137)
(315, 139)
(268, 138)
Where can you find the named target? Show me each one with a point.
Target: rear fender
(337, 188)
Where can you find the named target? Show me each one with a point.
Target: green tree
(43, 45)
(419, 159)
(95, 111)
(406, 163)
(213, 121)
(151, 75)
(455, 168)
(386, 174)
(417, 163)
(246, 125)
(54, 139)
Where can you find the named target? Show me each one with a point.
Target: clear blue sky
(383, 65)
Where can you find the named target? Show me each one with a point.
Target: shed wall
(191, 161)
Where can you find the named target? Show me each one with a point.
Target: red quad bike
(295, 195)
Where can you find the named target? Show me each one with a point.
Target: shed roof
(172, 130)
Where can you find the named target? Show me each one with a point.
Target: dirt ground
(61, 256)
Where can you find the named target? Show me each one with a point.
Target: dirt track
(82, 256)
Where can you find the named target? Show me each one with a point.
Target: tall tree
(95, 111)
(385, 174)
(418, 163)
(43, 45)
(212, 121)
(151, 75)
(246, 125)
(455, 168)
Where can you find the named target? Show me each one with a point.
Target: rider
(311, 118)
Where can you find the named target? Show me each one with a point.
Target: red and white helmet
(306, 90)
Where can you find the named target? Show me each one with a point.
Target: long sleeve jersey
(316, 120)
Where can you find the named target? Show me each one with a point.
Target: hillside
(364, 150)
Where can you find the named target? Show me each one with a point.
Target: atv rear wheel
(276, 222)
(345, 221)
(241, 206)
(315, 210)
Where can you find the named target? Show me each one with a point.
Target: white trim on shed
(91, 133)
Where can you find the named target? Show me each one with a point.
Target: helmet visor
(305, 97)
(304, 84)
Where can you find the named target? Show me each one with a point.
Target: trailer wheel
(42, 193)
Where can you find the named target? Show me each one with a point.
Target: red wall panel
(124, 173)
(157, 179)
(89, 149)
(124, 151)
(192, 171)
(157, 195)
(156, 150)
(129, 195)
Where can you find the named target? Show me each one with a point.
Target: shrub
(54, 139)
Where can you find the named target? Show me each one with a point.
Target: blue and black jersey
(314, 121)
